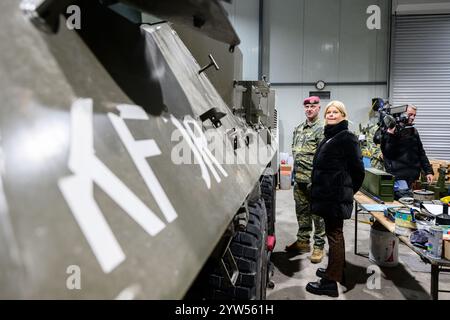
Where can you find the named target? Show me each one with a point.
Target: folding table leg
(435, 282)
(356, 227)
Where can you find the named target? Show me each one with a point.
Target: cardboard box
(436, 164)
(447, 249)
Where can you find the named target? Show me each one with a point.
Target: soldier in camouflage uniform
(371, 149)
(376, 157)
(307, 137)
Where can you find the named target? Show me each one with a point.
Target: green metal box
(379, 183)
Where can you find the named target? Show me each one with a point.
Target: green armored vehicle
(127, 169)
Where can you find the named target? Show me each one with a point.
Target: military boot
(298, 247)
(317, 255)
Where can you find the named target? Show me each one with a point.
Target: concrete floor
(409, 280)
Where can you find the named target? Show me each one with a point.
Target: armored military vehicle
(124, 171)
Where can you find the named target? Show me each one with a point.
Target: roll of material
(443, 219)
(423, 195)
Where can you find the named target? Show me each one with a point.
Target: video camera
(389, 117)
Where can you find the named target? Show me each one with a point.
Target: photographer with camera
(403, 150)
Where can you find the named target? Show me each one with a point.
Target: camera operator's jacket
(306, 139)
(404, 155)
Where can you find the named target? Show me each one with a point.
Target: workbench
(437, 265)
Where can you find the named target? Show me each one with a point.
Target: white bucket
(285, 181)
(284, 156)
(290, 161)
(383, 248)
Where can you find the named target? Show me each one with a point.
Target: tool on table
(372, 196)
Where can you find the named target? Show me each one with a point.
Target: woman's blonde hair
(338, 105)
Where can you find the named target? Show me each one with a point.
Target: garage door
(420, 74)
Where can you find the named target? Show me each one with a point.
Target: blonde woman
(338, 173)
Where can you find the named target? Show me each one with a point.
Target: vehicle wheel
(268, 193)
(249, 249)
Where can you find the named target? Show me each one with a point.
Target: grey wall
(311, 40)
(244, 16)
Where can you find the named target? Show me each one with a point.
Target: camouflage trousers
(306, 219)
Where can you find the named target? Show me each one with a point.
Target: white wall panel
(357, 100)
(244, 15)
(358, 54)
(286, 44)
(321, 40)
(382, 64)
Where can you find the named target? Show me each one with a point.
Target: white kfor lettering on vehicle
(201, 143)
(129, 111)
(199, 146)
(78, 192)
(139, 150)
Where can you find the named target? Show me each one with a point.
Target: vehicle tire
(268, 193)
(249, 249)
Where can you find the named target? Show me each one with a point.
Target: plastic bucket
(285, 181)
(383, 248)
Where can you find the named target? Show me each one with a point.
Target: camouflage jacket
(373, 150)
(304, 144)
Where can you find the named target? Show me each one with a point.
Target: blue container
(366, 161)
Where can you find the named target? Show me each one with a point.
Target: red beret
(311, 100)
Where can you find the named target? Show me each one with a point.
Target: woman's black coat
(338, 173)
